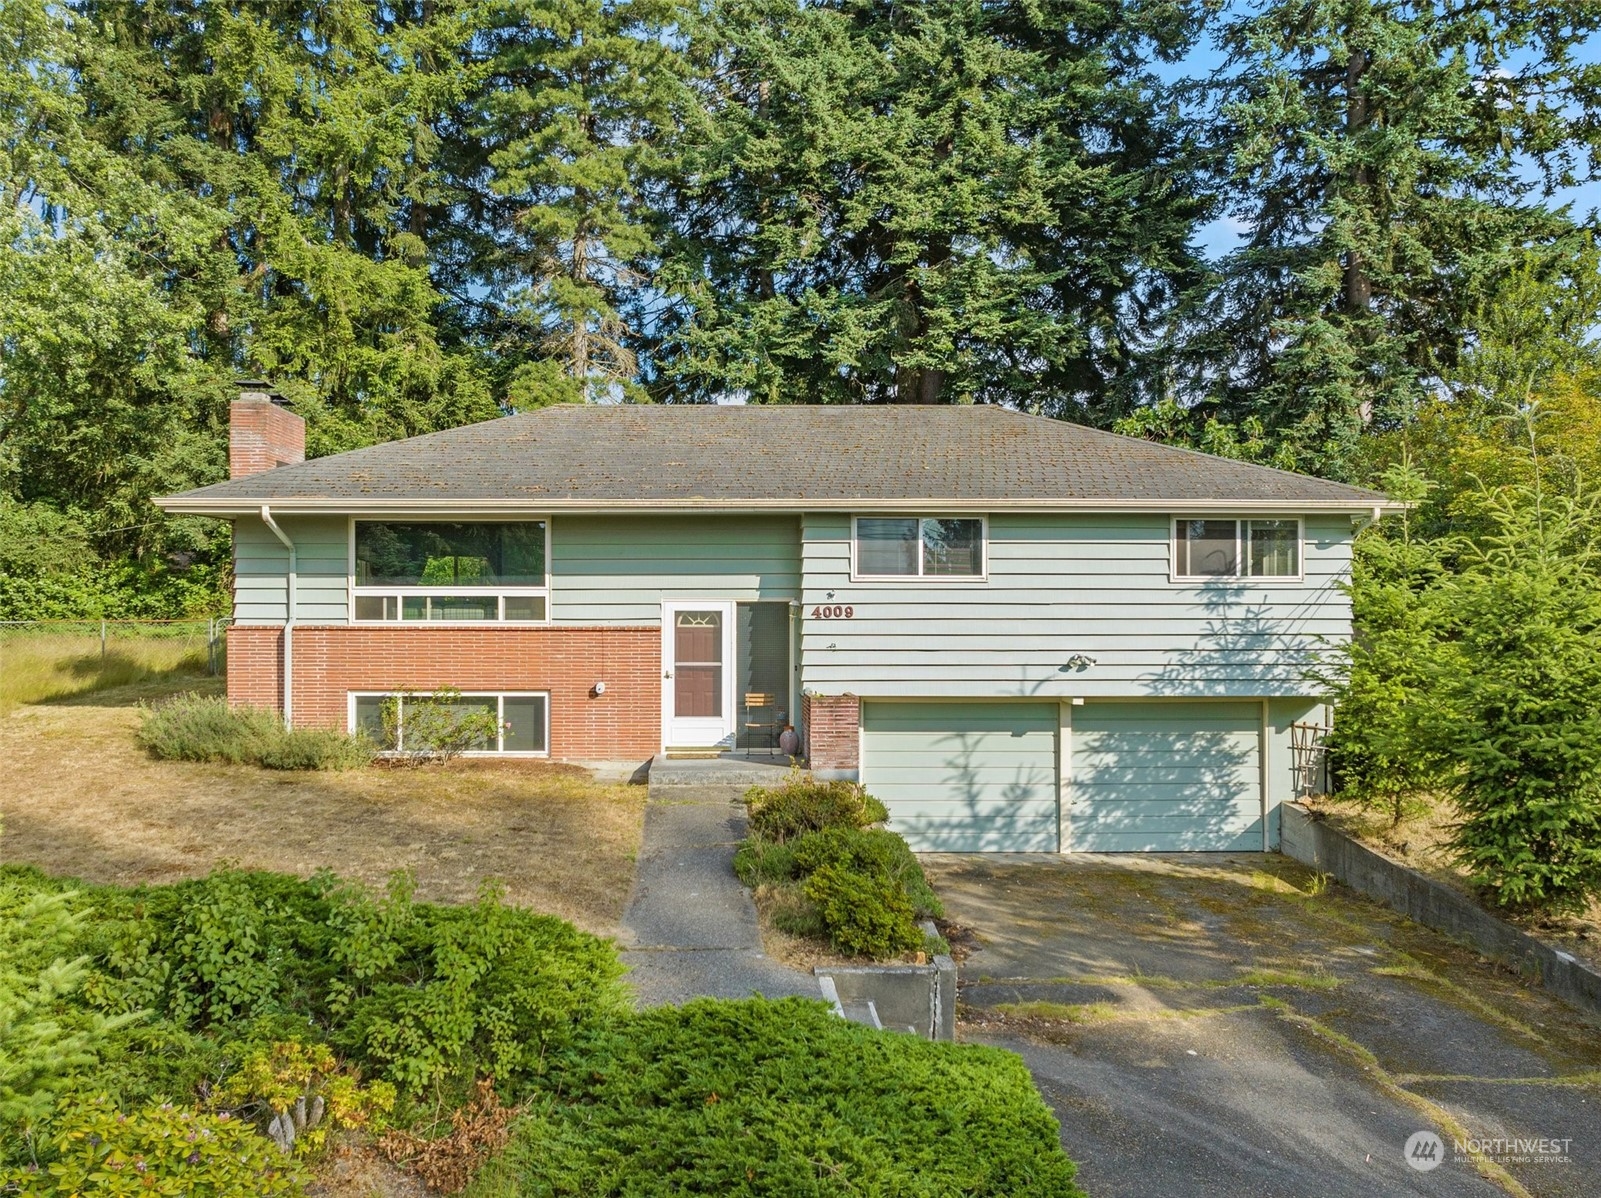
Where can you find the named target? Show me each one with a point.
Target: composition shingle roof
(770, 456)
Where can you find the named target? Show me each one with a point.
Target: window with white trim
(918, 547)
(1210, 548)
(438, 571)
(522, 718)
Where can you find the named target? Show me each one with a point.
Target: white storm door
(698, 703)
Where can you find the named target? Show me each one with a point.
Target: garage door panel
(1248, 840)
(1168, 777)
(965, 777)
(920, 719)
(1228, 776)
(991, 833)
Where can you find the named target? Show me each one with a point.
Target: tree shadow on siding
(1245, 649)
(1013, 812)
(1164, 791)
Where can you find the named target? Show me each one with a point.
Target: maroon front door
(697, 692)
(698, 665)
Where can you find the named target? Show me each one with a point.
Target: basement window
(448, 572)
(1208, 548)
(523, 720)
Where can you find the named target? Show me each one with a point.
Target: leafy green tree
(188, 192)
(1378, 154)
(938, 201)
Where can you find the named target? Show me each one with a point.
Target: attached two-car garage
(1146, 775)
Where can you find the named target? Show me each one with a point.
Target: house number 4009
(834, 612)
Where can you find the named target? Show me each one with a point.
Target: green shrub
(435, 727)
(413, 993)
(41, 1047)
(161, 1149)
(316, 749)
(486, 988)
(758, 861)
(764, 1098)
(1516, 707)
(803, 804)
(200, 728)
(872, 851)
(866, 914)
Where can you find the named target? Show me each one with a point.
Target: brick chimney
(262, 432)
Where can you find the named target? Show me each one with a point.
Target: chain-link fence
(50, 659)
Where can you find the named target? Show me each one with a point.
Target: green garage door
(1165, 777)
(965, 777)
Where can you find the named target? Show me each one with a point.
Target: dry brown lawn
(80, 798)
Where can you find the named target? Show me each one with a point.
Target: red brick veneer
(262, 435)
(332, 660)
(832, 731)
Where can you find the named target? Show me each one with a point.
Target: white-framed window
(948, 548)
(1213, 547)
(449, 571)
(522, 717)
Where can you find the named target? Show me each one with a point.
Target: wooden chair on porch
(761, 718)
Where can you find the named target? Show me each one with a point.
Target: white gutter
(360, 506)
(289, 616)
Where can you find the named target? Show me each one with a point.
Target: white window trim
(1240, 550)
(500, 712)
(353, 591)
(920, 577)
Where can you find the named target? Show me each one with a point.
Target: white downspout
(289, 616)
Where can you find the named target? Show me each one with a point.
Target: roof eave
(224, 509)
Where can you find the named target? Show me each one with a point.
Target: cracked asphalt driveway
(1229, 1024)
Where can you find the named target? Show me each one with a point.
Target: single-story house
(1022, 634)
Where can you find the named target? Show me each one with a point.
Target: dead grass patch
(1421, 841)
(82, 799)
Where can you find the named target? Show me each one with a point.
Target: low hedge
(802, 804)
(828, 874)
(784, 1098)
(215, 994)
(204, 728)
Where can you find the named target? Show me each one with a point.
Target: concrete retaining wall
(1435, 905)
(920, 999)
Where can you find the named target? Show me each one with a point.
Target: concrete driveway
(1229, 1024)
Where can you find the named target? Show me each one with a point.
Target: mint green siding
(1165, 777)
(261, 566)
(965, 777)
(619, 569)
(1061, 585)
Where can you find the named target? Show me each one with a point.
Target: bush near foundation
(802, 804)
(821, 871)
(205, 728)
(762, 1098)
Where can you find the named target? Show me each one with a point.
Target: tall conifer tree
(1389, 162)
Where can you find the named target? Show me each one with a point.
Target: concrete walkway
(690, 929)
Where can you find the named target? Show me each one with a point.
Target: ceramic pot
(789, 741)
